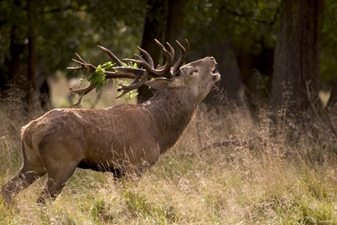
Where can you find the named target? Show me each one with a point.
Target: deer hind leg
(57, 178)
(29, 173)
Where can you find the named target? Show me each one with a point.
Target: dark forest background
(264, 48)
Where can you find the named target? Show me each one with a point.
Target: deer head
(124, 139)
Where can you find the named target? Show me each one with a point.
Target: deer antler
(182, 58)
(164, 71)
(122, 73)
(140, 76)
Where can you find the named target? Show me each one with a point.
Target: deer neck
(171, 112)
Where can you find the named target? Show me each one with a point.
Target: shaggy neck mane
(171, 114)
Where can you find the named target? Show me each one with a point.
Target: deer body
(123, 139)
(101, 138)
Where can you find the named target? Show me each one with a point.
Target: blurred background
(263, 47)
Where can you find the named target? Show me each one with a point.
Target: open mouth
(215, 73)
(215, 70)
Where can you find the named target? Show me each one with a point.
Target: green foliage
(329, 42)
(236, 20)
(98, 76)
(64, 27)
(131, 95)
(131, 65)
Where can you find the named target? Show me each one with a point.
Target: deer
(125, 139)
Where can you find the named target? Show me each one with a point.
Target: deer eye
(193, 71)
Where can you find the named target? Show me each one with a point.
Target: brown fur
(124, 139)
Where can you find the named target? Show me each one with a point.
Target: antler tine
(150, 68)
(134, 85)
(137, 74)
(124, 72)
(168, 63)
(120, 74)
(75, 68)
(147, 56)
(172, 52)
(82, 91)
(140, 62)
(82, 64)
(112, 56)
(79, 57)
(182, 58)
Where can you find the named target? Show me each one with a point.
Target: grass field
(280, 177)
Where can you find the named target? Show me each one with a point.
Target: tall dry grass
(228, 168)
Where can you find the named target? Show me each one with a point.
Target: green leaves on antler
(98, 76)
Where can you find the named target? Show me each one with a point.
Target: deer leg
(29, 173)
(57, 178)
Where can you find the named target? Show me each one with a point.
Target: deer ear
(164, 83)
(157, 83)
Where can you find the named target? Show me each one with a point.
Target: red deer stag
(124, 139)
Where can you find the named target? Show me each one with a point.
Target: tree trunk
(164, 21)
(154, 29)
(296, 59)
(16, 49)
(30, 86)
(10, 70)
(174, 24)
